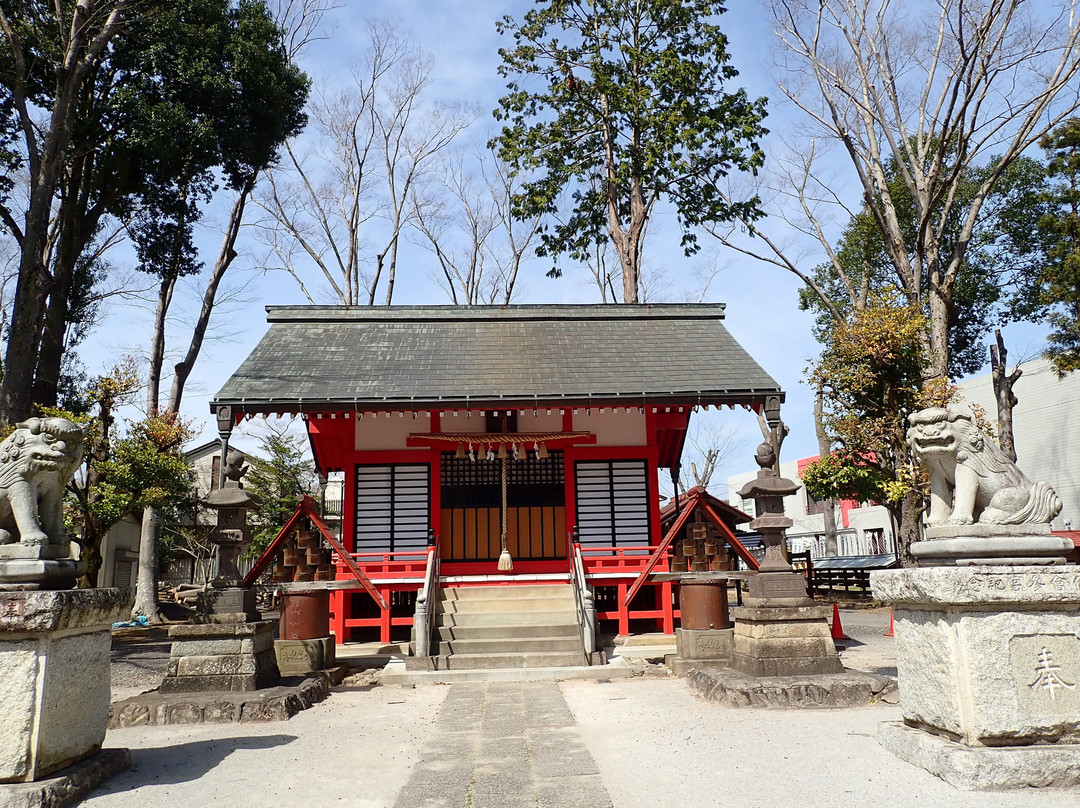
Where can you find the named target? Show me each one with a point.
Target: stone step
(510, 590)
(507, 645)
(506, 618)
(472, 632)
(535, 603)
(509, 660)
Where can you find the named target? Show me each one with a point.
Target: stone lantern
(779, 631)
(229, 600)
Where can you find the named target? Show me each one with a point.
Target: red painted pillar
(669, 609)
(624, 610)
(338, 609)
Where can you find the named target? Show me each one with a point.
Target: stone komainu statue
(36, 461)
(971, 479)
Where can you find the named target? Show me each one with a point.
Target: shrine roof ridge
(531, 311)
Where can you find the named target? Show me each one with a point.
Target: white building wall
(1046, 428)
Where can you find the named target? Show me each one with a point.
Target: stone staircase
(527, 626)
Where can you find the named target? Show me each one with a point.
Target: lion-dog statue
(971, 479)
(36, 461)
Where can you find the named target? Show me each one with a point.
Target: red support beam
(660, 550)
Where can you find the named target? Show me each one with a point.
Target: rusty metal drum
(305, 615)
(704, 605)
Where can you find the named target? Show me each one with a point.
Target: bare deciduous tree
(465, 220)
(376, 141)
(926, 93)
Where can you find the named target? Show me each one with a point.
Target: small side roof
(327, 358)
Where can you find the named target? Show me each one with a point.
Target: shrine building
(466, 434)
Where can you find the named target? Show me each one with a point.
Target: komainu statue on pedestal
(36, 461)
(971, 480)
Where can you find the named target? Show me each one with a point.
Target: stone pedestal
(988, 661)
(233, 604)
(221, 657)
(783, 640)
(38, 566)
(54, 677)
(1011, 545)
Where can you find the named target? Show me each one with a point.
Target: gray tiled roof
(323, 358)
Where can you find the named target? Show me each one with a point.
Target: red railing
(400, 564)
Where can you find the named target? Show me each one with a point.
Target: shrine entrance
(472, 505)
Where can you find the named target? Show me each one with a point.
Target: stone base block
(54, 677)
(67, 786)
(701, 644)
(734, 689)
(983, 768)
(783, 641)
(997, 545)
(788, 586)
(235, 604)
(39, 573)
(988, 656)
(221, 657)
(301, 657)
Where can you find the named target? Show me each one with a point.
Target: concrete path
(504, 745)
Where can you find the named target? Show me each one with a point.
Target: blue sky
(761, 300)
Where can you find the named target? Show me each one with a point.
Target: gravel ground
(140, 657)
(655, 743)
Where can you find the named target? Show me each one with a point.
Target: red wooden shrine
(457, 429)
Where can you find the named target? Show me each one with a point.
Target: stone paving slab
(504, 745)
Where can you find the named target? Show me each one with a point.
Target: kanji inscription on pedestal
(1046, 669)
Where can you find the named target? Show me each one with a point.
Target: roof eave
(713, 398)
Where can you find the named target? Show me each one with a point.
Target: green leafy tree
(166, 98)
(630, 107)
(870, 378)
(123, 471)
(280, 477)
(860, 266)
(1048, 230)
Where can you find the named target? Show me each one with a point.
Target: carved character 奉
(36, 461)
(971, 480)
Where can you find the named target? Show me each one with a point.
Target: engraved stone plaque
(1046, 673)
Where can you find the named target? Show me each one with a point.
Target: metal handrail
(583, 597)
(423, 619)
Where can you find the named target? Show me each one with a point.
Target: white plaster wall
(622, 428)
(124, 535)
(1046, 427)
(389, 431)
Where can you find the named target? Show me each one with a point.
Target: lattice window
(612, 502)
(393, 507)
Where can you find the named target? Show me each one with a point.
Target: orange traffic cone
(837, 629)
(890, 632)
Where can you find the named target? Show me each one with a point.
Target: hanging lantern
(542, 452)
(460, 453)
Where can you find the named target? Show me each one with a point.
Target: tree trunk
(824, 448)
(90, 552)
(147, 582)
(908, 527)
(1003, 394)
